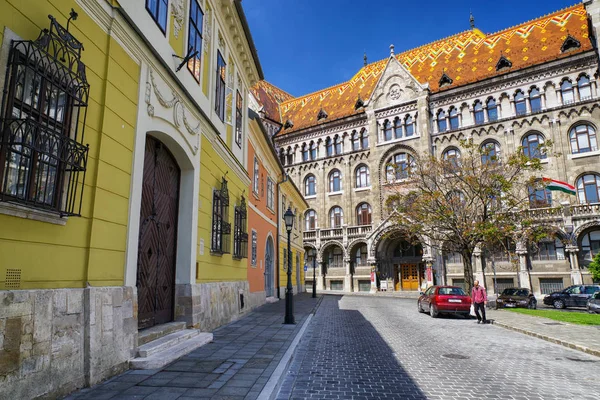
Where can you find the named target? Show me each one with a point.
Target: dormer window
(445, 80)
(503, 63)
(570, 43)
(322, 115)
(288, 124)
(359, 103)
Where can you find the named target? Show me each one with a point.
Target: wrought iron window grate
(42, 158)
(221, 228)
(240, 235)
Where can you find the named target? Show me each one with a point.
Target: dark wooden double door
(158, 236)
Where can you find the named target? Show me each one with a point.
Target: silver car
(593, 303)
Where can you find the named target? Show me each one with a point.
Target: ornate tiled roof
(465, 58)
(270, 97)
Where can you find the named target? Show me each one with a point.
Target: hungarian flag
(552, 184)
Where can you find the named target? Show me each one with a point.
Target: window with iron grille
(238, 118)
(221, 228)
(270, 194)
(240, 234)
(42, 156)
(254, 248)
(158, 11)
(195, 39)
(220, 87)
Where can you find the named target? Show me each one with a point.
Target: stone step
(170, 354)
(165, 342)
(149, 334)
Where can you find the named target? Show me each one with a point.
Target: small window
(539, 197)
(490, 152)
(158, 11)
(360, 256)
(583, 139)
(567, 93)
(478, 111)
(398, 166)
(254, 248)
(387, 130)
(355, 141)
(535, 100)
(588, 189)
(364, 139)
(338, 145)
(194, 39)
(362, 177)
(452, 156)
(311, 220)
(409, 126)
(270, 193)
(454, 122)
(310, 185)
(585, 90)
(313, 151)
(397, 128)
(238, 118)
(441, 121)
(255, 177)
(321, 115)
(570, 43)
(304, 152)
(492, 110)
(240, 232)
(503, 63)
(531, 146)
(335, 181)
(336, 216)
(548, 250)
(289, 156)
(221, 228)
(363, 214)
(329, 146)
(220, 87)
(520, 106)
(445, 80)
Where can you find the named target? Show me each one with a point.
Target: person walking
(479, 301)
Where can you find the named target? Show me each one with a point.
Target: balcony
(579, 214)
(351, 232)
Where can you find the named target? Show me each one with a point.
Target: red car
(444, 300)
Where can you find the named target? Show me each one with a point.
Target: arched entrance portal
(269, 267)
(400, 263)
(157, 236)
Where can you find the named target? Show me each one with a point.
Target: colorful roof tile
(466, 57)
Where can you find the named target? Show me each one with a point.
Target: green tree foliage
(475, 201)
(594, 268)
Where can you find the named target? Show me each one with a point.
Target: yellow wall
(283, 268)
(217, 268)
(91, 247)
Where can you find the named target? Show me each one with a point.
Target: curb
(573, 346)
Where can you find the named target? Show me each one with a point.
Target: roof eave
(242, 15)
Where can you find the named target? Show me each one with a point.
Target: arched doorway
(157, 236)
(400, 262)
(269, 267)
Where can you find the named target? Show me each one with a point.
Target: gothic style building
(519, 87)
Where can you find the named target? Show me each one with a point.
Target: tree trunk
(467, 257)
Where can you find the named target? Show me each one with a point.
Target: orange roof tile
(466, 57)
(270, 96)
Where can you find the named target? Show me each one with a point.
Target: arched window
(531, 146)
(360, 256)
(364, 139)
(583, 139)
(336, 217)
(313, 151)
(336, 258)
(362, 177)
(453, 118)
(585, 90)
(588, 189)
(566, 89)
(335, 181)
(452, 155)
(441, 121)
(304, 152)
(539, 197)
(310, 218)
(310, 185)
(289, 156)
(398, 166)
(490, 152)
(282, 156)
(397, 128)
(520, 106)
(492, 110)
(548, 250)
(478, 111)
(363, 214)
(590, 244)
(409, 126)
(535, 100)
(338, 145)
(329, 146)
(387, 130)
(355, 141)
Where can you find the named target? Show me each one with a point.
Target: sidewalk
(236, 365)
(579, 337)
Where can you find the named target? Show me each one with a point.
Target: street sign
(305, 267)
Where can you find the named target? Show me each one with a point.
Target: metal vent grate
(13, 278)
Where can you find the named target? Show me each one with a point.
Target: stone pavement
(579, 337)
(236, 365)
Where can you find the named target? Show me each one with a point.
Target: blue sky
(308, 45)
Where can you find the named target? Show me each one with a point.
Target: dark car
(573, 296)
(516, 297)
(593, 303)
(444, 300)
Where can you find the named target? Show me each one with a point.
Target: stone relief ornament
(178, 16)
(395, 92)
(207, 31)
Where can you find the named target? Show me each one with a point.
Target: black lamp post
(289, 291)
(314, 292)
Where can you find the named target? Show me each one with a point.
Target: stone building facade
(519, 87)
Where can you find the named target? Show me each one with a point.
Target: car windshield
(451, 290)
(515, 292)
(596, 295)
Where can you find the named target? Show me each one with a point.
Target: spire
(472, 20)
(365, 59)
(391, 50)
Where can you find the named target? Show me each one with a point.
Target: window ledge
(271, 209)
(16, 210)
(583, 155)
(313, 196)
(362, 189)
(255, 194)
(402, 139)
(339, 192)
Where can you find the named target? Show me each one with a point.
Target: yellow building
(122, 180)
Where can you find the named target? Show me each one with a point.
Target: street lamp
(314, 291)
(289, 291)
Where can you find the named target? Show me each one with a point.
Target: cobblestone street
(372, 348)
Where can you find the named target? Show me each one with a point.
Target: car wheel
(419, 308)
(433, 311)
(558, 304)
(532, 305)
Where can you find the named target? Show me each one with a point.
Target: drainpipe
(285, 179)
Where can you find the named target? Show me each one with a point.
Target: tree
(473, 201)
(594, 268)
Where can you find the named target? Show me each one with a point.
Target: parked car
(444, 300)
(516, 297)
(593, 303)
(573, 296)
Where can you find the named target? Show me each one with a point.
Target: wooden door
(269, 256)
(410, 277)
(396, 278)
(158, 236)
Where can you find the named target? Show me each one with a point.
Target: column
(478, 267)
(527, 105)
(373, 264)
(348, 277)
(472, 112)
(513, 107)
(486, 117)
(576, 276)
(543, 100)
(320, 286)
(429, 271)
(524, 277)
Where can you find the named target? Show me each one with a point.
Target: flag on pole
(552, 184)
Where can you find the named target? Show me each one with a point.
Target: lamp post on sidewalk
(289, 291)
(314, 291)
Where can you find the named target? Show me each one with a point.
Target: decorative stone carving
(178, 12)
(395, 92)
